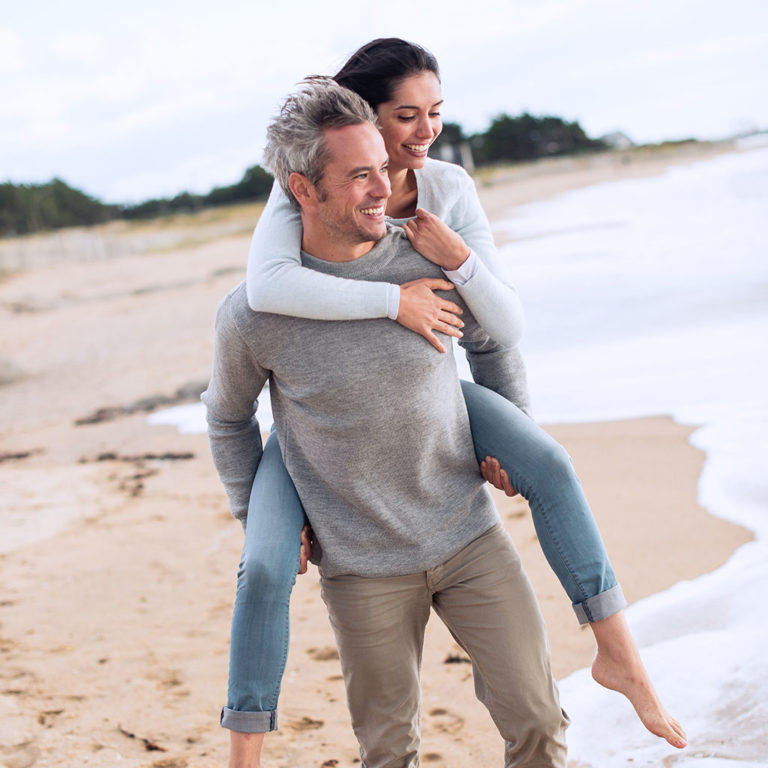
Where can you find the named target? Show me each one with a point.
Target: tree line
(28, 208)
(525, 137)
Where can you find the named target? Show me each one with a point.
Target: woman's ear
(303, 189)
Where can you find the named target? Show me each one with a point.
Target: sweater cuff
(393, 301)
(465, 272)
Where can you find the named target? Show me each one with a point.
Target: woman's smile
(411, 120)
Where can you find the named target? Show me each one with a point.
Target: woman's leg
(260, 621)
(540, 469)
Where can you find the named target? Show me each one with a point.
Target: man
(374, 433)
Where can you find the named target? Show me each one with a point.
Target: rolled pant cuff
(248, 722)
(600, 606)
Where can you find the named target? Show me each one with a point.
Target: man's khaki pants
(486, 601)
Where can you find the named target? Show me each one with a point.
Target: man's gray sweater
(370, 418)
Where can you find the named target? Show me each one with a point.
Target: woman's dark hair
(376, 69)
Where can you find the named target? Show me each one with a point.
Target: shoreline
(506, 187)
(664, 508)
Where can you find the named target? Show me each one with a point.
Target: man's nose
(381, 186)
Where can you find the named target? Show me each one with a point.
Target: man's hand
(305, 551)
(423, 311)
(435, 240)
(491, 471)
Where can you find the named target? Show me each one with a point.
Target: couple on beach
(376, 467)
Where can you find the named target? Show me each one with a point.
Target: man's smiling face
(353, 192)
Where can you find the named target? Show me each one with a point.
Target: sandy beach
(118, 554)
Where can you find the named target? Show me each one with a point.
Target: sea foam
(649, 297)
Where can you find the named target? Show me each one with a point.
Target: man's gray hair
(295, 138)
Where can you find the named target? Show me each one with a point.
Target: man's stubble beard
(345, 231)
(348, 232)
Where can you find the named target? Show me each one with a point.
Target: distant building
(617, 140)
(459, 153)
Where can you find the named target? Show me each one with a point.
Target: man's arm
(233, 431)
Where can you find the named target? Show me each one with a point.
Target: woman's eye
(434, 114)
(406, 118)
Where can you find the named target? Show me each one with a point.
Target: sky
(128, 101)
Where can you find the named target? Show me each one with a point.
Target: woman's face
(411, 121)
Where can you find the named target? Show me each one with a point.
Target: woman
(401, 82)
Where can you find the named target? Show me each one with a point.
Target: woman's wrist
(456, 258)
(465, 272)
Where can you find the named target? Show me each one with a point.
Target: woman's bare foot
(618, 666)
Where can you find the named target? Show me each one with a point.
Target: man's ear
(303, 189)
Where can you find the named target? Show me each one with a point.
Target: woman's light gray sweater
(370, 419)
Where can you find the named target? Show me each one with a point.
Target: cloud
(11, 52)
(86, 84)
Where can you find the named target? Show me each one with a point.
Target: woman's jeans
(260, 622)
(538, 467)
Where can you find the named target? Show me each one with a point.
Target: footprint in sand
(305, 724)
(457, 658)
(171, 681)
(328, 653)
(46, 717)
(20, 755)
(445, 721)
(170, 762)
(9, 372)
(7, 645)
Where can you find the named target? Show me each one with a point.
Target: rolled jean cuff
(600, 606)
(248, 722)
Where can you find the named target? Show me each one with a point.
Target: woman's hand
(436, 241)
(421, 310)
(305, 549)
(492, 472)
